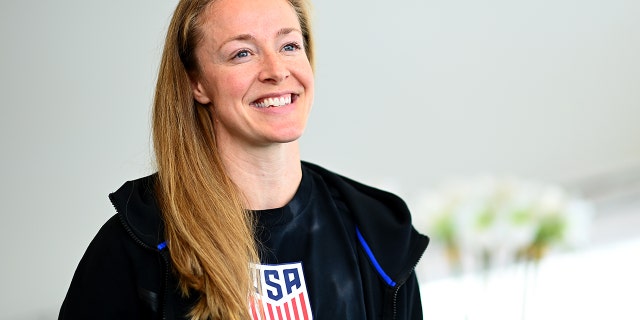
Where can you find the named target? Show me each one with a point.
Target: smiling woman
(234, 225)
(245, 61)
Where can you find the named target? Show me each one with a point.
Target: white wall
(408, 92)
(422, 89)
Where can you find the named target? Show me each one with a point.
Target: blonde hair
(209, 234)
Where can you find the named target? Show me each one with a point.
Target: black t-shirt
(316, 230)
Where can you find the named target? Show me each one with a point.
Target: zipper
(395, 298)
(388, 280)
(145, 246)
(166, 283)
(395, 302)
(400, 284)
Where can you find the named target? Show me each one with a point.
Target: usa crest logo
(280, 293)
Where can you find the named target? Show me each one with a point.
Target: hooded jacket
(126, 271)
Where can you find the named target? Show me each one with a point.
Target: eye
(291, 47)
(241, 54)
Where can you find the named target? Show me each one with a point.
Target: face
(254, 72)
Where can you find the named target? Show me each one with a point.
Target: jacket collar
(136, 206)
(384, 221)
(382, 218)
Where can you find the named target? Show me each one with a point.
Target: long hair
(210, 235)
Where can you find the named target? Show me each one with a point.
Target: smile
(273, 101)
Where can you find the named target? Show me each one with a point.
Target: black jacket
(126, 272)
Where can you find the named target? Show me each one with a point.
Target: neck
(267, 177)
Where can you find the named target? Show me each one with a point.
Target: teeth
(274, 102)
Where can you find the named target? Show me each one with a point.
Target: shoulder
(343, 181)
(382, 219)
(103, 277)
(110, 237)
(112, 249)
(359, 196)
(113, 276)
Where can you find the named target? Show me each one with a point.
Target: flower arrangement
(489, 220)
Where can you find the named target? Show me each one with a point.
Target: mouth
(274, 102)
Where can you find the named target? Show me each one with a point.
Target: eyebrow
(248, 37)
(286, 31)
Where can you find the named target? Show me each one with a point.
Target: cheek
(231, 87)
(305, 74)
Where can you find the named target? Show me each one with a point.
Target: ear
(199, 92)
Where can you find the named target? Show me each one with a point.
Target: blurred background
(509, 127)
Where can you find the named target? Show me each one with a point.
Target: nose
(274, 69)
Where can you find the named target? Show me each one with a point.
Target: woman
(234, 225)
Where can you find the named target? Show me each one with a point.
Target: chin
(288, 136)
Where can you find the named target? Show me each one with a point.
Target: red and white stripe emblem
(280, 293)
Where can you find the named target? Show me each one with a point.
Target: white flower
(495, 218)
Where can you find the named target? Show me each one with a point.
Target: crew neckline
(285, 214)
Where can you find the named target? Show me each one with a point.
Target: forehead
(232, 17)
